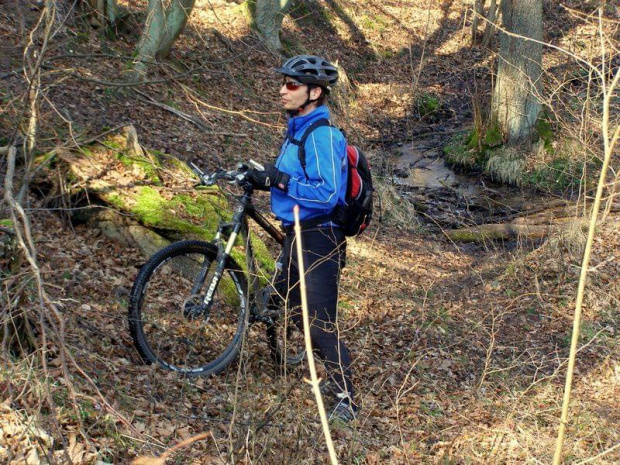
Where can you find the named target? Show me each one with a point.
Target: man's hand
(270, 177)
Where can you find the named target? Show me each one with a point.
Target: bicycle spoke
(171, 324)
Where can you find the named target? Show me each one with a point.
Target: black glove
(270, 177)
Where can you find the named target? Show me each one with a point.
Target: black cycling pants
(323, 254)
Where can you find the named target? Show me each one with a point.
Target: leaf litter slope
(456, 349)
(420, 318)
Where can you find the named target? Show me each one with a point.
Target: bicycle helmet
(310, 69)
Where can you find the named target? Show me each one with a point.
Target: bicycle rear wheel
(167, 320)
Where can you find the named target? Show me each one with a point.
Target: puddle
(449, 199)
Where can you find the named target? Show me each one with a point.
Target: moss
(314, 14)
(378, 23)
(247, 9)
(113, 144)
(493, 136)
(473, 235)
(474, 151)
(186, 215)
(458, 155)
(545, 133)
(200, 209)
(177, 216)
(263, 256)
(150, 206)
(149, 168)
(6, 223)
(472, 140)
(87, 152)
(427, 104)
(559, 175)
(174, 163)
(463, 152)
(115, 200)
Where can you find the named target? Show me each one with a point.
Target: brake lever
(256, 165)
(196, 170)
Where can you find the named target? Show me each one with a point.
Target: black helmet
(310, 69)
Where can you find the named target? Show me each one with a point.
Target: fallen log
(123, 229)
(505, 231)
(148, 197)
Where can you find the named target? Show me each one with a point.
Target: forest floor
(459, 349)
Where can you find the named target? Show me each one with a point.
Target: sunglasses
(292, 85)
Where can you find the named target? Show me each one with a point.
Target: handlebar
(209, 179)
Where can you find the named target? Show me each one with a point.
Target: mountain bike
(191, 303)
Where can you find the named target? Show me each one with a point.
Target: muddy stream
(450, 200)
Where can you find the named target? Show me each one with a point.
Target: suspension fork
(238, 223)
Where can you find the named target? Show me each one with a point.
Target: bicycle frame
(204, 305)
(238, 226)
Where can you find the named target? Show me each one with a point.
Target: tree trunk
(268, 18)
(516, 103)
(165, 21)
(490, 25)
(478, 10)
(104, 13)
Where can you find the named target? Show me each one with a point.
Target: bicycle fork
(223, 254)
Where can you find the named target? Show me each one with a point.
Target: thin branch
(584, 62)
(138, 84)
(192, 119)
(608, 92)
(242, 113)
(596, 457)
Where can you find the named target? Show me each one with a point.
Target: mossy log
(486, 232)
(122, 228)
(153, 192)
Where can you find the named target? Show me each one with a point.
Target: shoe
(343, 412)
(329, 389)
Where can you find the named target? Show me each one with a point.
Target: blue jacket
(326, 166)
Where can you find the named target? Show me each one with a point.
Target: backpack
(355, 217)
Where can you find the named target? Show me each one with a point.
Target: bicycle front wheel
(168, 321)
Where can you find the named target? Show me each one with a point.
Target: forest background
(460, 309)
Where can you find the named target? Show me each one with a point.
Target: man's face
(293, 93)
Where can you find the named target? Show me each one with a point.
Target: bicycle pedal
(271, 312)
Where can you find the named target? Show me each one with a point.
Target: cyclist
(317, 188)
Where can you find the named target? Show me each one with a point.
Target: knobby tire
(169, 285)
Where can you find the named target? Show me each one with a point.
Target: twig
(7, 230)
(192, 119)
(162, 460)
(605, 452)
(421, 133)
(99, 136)
(609, 142)
(191, 95)
(306, 319)
(137, 84)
